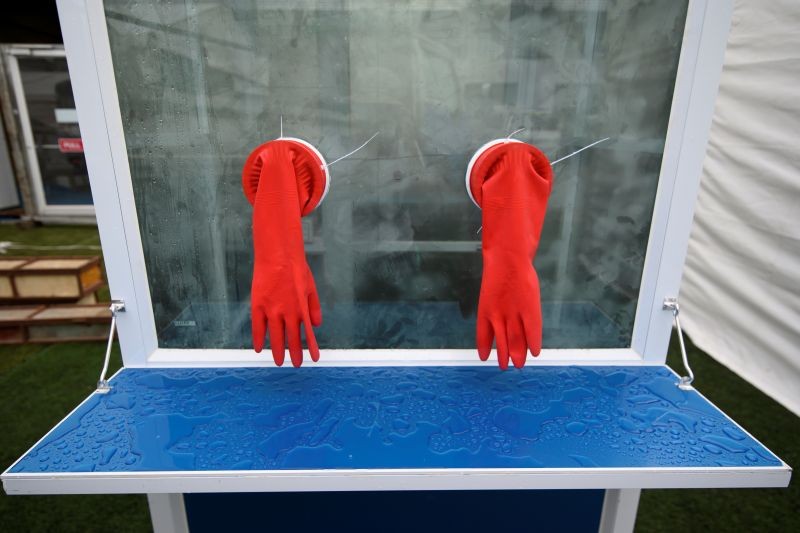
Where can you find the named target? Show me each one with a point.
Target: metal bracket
(671, 304)
(116, 307)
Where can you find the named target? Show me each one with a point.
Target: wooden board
(67, 333)
(12, 330)
(47, 287)
(60, 263)
(54, 323)
(49, 279)
(12, 263)
(73, 313)
(8, 265)
(18, 313)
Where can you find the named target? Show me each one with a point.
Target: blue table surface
(394, 417)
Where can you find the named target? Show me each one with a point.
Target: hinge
(671, 304)
(116, 307)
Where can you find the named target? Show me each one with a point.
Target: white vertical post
(619, 510)
(699, 71)
(168, 513)
(83, 27)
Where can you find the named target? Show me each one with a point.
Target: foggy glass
(394, 247)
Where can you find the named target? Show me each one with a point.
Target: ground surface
(39, 385)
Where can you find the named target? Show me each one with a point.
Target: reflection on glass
(394, 247)
(51, 107)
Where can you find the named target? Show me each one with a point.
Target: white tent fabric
(740, 297)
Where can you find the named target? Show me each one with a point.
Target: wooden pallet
(50, 279)
(54, 323)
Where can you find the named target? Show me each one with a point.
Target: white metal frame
(89, 57)
(619, 510)
(168, 513)
(345, 480)
(43, 209)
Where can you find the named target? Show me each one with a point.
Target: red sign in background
(70, 145)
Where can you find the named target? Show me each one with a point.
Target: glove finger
(295, 346)
(533, 334)
(484, 336)
(502, 343)
(311, 340)
(314, 309)
(276, 340)
(516, 342)
(259, 326)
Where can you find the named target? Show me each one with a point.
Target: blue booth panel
(265, 429)
(569, 511)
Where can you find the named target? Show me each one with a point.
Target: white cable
(509, 122)
(354, 151)
(558, 160)
(117, 306)
(102, 381)
(515, 132)
(685, 382)
(579, 151)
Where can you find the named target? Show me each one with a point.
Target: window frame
(43, 210)
(90, 64)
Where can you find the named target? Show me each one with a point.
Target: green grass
(742, 510)
(51, 236)
(39, 385)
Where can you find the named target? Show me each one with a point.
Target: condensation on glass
(394, 247)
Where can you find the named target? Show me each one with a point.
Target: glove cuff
(492, 156)
(310, 171)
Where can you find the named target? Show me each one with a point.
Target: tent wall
(740, 296)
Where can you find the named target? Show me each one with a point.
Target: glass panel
(54, 122)
(394, 247)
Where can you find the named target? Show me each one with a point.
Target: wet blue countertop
(393, 417)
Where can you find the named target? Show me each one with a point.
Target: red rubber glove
(283, 180)
(511, 182)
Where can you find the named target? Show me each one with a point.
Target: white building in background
(43, 173)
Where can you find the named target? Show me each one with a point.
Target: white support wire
(685, 383)
(576, 152)
(117, 306)
(515, 132)
(354, 151)
(332, 162)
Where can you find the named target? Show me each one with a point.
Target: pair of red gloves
(511, 181)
